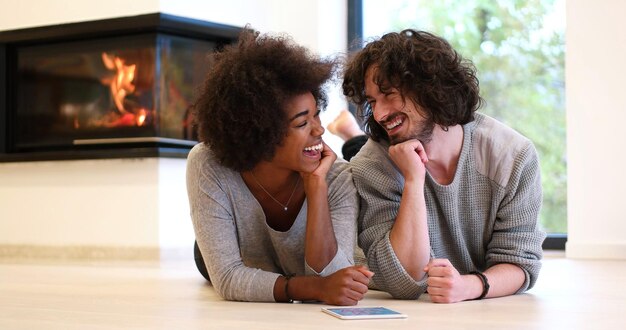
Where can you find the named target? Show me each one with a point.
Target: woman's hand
(318, 176)
(346, 286)
(326, 161)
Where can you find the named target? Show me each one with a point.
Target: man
(449, 197)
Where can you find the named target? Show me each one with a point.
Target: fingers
(357, 274)
(412, 145)
(328, 152)
(437, 294)
(346, 302)
(345, 297)
(360, 276)
(410, 157)
(418, 147)
(421, 152)
(443, 281)
(356, 294)
(327, 158)
(359, 288)
(437, 263)
(348, 285)
(364, 271)
(355, 281)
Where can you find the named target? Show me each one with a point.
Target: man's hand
(446, 285)
(410, 158)
(346, 286)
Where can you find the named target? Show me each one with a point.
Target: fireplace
(104, 89)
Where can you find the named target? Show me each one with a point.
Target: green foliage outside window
(518, 47)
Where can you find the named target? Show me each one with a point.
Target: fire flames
(121, 85)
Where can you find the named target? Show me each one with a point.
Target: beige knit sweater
(487, 215)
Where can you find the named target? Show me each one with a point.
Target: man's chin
(399, 139)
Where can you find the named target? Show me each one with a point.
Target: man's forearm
(409, 234)
(504, 280)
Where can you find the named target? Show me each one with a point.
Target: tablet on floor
(360, 313)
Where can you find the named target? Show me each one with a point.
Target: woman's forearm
(320, 241)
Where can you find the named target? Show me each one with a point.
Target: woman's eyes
(317, 114)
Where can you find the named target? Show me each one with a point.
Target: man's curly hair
(424, 68)
(240, 112)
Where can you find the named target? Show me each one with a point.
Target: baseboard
(93, 253)
(595, 251)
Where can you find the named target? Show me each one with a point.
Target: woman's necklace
(285, 206)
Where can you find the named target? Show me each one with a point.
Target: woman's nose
(318, 129)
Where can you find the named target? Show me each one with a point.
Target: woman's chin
(310, 165)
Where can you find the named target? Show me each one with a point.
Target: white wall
(596, 113)
(133, 203)
(596, 109)
(89, 202)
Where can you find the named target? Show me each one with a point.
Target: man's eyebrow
(303, 113)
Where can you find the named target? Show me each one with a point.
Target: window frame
(553, 241)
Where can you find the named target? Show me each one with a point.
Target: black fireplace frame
(11, 40)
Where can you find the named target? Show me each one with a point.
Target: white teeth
(317, 147)
(393, 124)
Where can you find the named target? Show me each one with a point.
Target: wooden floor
(570, 294)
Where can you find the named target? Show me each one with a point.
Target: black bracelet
(287, 278)
(483, 279)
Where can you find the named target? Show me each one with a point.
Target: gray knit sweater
(487, 215)
(243, 255)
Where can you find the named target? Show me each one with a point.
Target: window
(518, 47)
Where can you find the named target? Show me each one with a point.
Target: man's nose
(381, 111)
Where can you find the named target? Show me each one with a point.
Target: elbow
(222, 291)
(224, 288)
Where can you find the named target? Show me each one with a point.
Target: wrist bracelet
(287, 278)
(483, 279)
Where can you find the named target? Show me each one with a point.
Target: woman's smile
(314, 151)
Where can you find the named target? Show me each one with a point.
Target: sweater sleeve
(516, 237)
(216, 234)
(343, 205)
(380, 186)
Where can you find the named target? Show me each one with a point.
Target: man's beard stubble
(424, 135)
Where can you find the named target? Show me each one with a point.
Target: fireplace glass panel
(116, 90)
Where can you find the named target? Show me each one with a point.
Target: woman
(274, 213)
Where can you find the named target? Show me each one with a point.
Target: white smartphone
(360, 313)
